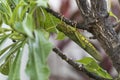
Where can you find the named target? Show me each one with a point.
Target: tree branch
(67, 21)
(84, 7)
(102, 8)
(77, 66)
(102, 29)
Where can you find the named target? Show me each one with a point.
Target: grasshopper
(78, 38)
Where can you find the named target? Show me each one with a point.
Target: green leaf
(5, 8)
(11, 51)
(60, 36)
(45, 20)
(39, 19)
(39, 48)
(3, 40)
(1, 20)
(6, 48)
(50, 22)
(42, 3)
(46, 34)
(16, 2)
(19, 27)
(19, 12)
(5, 67)
(4, 30)
(5, 11)
(86, 60)
(28, 25)
(92, 66)
(14, 73)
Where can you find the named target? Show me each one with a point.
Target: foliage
(92, 66)
(23, 29)
(28, 24)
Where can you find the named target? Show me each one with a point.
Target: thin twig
(77, 66)
(67, 21)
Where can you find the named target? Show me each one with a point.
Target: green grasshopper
(78, 38)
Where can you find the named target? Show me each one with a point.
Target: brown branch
(94, 5)
(77, 66)
(103, 31)
(67, 21)
(84, 7)
(102, 8)
(101, 28)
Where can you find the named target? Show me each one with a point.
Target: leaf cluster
(24, 23)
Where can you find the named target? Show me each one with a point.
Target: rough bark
(102, 28)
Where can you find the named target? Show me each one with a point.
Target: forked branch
(77, 66)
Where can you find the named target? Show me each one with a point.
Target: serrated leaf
(92, 66)
(39, 48)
